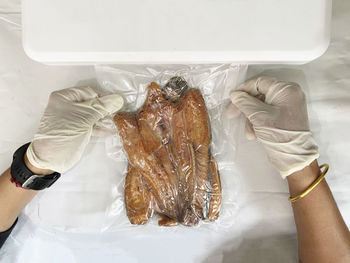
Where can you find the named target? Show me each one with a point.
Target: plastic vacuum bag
(171, 170)
(178, 148)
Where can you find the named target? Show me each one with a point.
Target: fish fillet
(154, 121)
(167, 221)
(215, 202)
(137, 198)
(171, 170)
(198, 132)
(153, 175)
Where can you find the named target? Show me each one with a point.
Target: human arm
(13, 199)
(64, 131)
(277, 118)
(322, 234)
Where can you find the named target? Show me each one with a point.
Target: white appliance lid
(175, 31)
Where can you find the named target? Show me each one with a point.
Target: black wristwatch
(25, 177)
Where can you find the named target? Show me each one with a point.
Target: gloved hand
(277, 117)
(66, 126)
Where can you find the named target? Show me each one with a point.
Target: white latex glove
(66, 126)
(277, 117)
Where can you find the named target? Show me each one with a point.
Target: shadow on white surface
(270, 249)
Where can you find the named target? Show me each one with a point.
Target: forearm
(13, 199)
(63, 134)
(322, 233)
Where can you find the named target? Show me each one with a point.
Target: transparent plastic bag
(163, 195)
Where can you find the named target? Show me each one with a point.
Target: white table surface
(263, 230)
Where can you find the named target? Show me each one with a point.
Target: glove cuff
(288, 151)
(299, 166)
(34, 159)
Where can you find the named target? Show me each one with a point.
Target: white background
(263, 231)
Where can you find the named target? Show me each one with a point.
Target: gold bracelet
(312, 186)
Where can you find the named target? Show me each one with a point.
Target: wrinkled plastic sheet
(213, 83)
(90, 199)
(264, 230)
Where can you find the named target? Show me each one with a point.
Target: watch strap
(25, 177)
